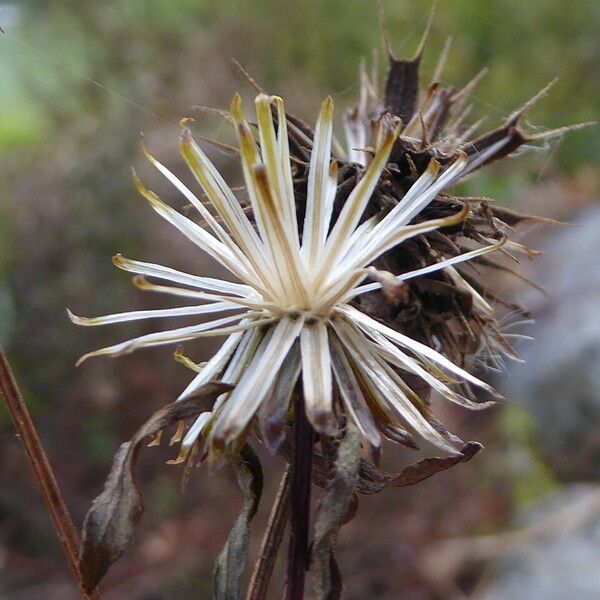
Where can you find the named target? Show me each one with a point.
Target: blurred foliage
(517, 460)
(317, 42)
(80, 80)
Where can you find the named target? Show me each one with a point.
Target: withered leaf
(109, 524)
(373, 480)
(231, 562)
(430, 466)
(332, 514)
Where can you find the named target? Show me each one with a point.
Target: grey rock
(561, 563)
(560, 382)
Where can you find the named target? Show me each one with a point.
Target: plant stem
(42, 470)
(298, 555)
(257, 590)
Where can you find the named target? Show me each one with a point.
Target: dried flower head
(295, 314)
(453, 309)
(352, 295)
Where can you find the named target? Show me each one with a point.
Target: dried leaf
(430, 466)
(109, 524)
(231, 562)
(373, 480)
(332, 514)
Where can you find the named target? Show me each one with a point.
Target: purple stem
(298, 554)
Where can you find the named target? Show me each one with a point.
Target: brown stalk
(263, 569)
(42, 470)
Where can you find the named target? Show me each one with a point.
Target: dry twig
(263, 569)
(42, 470)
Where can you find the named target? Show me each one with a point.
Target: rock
(559, 556)
(560, 382)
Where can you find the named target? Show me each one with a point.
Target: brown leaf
(333, 512)
(373, 480)
(109, 524)
(430, 466)
(231, 562)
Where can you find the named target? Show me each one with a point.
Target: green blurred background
(79, 81)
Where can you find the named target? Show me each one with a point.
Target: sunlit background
(80, 82)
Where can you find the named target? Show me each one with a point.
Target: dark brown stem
(259, 583)
(298, 555)
(42, 470)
